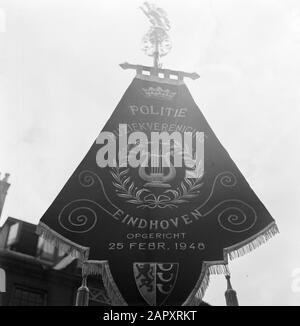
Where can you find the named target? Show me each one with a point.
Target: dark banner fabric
(155, 231)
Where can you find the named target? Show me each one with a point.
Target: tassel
(254, 242)
(93, 267)
(83, 293)
(221, 267)
(230, 294)
(101, 267)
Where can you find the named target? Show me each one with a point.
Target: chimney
(4, 185)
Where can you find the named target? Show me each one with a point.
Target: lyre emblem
(158, 176)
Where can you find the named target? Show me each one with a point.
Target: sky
(60, 81)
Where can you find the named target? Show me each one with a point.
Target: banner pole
(83, 293)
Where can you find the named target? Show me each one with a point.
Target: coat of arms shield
(155, 281)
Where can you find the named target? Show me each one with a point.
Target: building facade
(35, 273)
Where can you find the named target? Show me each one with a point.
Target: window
(23, 296)
(12, 234)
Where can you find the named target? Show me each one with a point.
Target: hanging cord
(83, 293)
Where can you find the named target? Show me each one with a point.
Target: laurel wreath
(142, 198)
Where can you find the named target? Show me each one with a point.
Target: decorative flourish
(87, 178)
(79, 216)
(153, 201)
(238, 218)
(234, 215)
(226, 179)
(188, 189)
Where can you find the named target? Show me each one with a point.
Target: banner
(157, 204)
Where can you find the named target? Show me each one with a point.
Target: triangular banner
(155, 232)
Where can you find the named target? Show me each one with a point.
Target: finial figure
(157, 16)
(156, 42)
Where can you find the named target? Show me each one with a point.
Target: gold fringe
(208, 270)
(221, 267)
(111, 288)
(98, 267)
(249, 245)
(93, 267)
(62, 243)
(218, 269)
(89, 267)
(202, 289)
